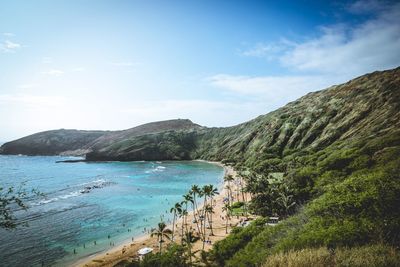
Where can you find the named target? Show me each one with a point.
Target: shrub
(237, 205)
(226, 248)
(174, 256)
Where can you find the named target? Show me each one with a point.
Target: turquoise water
(88, 202)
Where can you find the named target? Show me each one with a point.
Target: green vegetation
(12, 199)
(161, 232)
(346, 196)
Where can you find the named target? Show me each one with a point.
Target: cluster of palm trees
(276, 197)
(202, 217)
(240, 192)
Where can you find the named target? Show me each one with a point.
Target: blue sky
(116, 64)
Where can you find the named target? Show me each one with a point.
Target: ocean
(88, 206)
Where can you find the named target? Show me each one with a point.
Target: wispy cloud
(367, 6)
(374, 44)
(369, 46)
(195, 109)
(47, 60)
(8, 46)
(272, 91)
(339, 53)
(266, 84)
(53, 72)
(27, 85)
(8, 34)
(78, 69)
(268, 51)
(33, 101)
(124, 64)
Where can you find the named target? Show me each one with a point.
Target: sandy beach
(128, 250)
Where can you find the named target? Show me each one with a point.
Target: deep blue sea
(86, 203)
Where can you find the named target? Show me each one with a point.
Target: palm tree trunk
(226, 224)
(210, 223)
(195, 212)
(195, 217)
(186, 218)
(183, 221)
(204, 221)
(173, 226)
(160, 242)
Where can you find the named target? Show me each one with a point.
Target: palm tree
(177, 209)
(161, 232)
(183, 214)
(187, 199)
(241, 189)
(244, 200)
(195, 190)
(205, 192)
(228, 210)
(229, 178)
(286, 202)
(210, 211)
(229, 189)
(213, 191)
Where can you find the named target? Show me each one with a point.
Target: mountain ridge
(366, 106)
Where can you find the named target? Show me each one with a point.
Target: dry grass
(374, 256)
(302, 258)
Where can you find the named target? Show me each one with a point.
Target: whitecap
(72, 194)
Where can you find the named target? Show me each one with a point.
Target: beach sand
(128, 250)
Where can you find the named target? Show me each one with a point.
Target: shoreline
(127, 250)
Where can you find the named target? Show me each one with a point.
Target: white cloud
(342, 49)
(339, 53)
(35, 101)
(273, 91)
(370, 46)
(8, 34)
(78, 69)
(203, 112)
(9, 47)
(47, 60)
(53, 72)
(266, 84)
(264, 50)
(27, 85)
(367, 6)
(124, 64)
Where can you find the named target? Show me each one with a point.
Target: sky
(116, 64)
